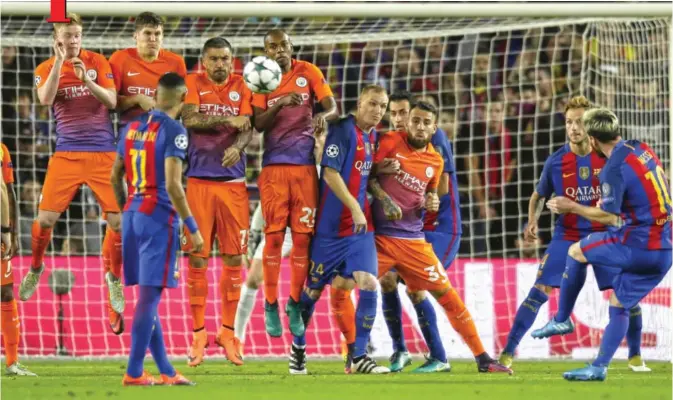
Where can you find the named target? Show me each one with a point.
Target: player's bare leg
(461, 320)
(230, 291)
(10, 324)
(112, 260)
(247, 301)
(392, 313)
(197, 285)
(41, 236)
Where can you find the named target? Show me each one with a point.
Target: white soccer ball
(262, 75)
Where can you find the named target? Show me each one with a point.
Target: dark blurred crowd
(501, 98)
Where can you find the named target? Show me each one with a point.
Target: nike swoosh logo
(359, 148)
(133, 73)
(15, 319)
(8, 274)
(202, 93)
(398, 155)
(567, 175)
(61, 76)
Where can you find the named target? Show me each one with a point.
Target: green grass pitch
(270, 380)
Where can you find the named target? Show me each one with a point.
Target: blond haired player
(79, 86)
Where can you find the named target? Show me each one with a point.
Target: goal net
(488, 76)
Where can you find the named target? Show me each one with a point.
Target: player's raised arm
(46, 80)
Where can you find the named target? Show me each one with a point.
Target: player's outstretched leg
(230, 291)
(633, 340)
(169, 376)
(525, 316)
(247, 301)
(462, 322)
(271, 267)
(41, 236)
(141, 334)
(298, 274)
(10, 324)
(197, 285)
(392, 313)
(297, 362)
(427, 320)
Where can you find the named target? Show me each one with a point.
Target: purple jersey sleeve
(545, 187)
(612, 189)
(336, 149)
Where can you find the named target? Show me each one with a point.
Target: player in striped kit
(150, 154)
(217, 112)
(572, 172)
(136, 73)
(288, 182)
(79, 86)
(636, 204)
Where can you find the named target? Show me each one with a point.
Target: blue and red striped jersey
(350, 151)
(634, 184)
(575, 177)
(447, 219)
(145, 143)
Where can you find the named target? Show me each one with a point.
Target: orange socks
(461, 320)
(230, 291)
(271, 265)
(197, 286)
(344, 312)
(10, 330)
(299, 260)
(112, 248)
(40, 242)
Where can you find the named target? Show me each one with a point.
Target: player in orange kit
(9, 315)
(217, 113)
(398, 217)
(136, 75)
(288, 183)
(79, 86)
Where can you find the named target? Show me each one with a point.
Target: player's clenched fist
(389, 166)
(197, 242)
(145, 102)
(530, 233)
(231, 156)
(391, 209)
(80, 68)
(293, 99)
(432, 202)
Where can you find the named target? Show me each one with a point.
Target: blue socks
(427, 319)
(158, 350)
(525, 316)
(614, 333)
(392, 313)
(141, 332)
(365, 314)
(307, 305)
(634, 333)
(573, 280)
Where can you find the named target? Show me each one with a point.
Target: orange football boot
(226, 339)
(198, 349)
(177, 380)
(143, 380)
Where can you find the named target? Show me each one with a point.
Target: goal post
(478, 62)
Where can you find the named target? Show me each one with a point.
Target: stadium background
(501, 87)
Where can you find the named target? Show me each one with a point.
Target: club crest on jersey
(606, 189)
(332, 151)
(38, 79)
(234, 96)
(181, 141)
(584, 172)
(92, 74)
(429, 172)
(301, 82)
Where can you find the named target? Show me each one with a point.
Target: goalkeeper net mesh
(487, 76)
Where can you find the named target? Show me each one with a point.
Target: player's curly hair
(148, 18)
(578, 102)
(75, 19)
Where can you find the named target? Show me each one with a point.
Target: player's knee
(114, 221)
(388, 282)
(575, 251)
(365, 281)
(339, 282)
(300, 241)
(544, 288)
(6, 293)
(416, 297)
(232, 260)
(614, 301)
(274, 241)
(47, 219)
(198, 262)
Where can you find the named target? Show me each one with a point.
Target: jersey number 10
(661, 187)
(138, 169)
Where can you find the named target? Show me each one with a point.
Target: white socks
(245, 305)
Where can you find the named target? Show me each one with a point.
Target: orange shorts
(414, 260)
(289, 193)
(222, 210)
(68, 170)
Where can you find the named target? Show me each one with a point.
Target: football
(262, 75)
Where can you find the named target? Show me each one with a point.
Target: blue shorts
(341, 256)
(445, 246)
(640, 270)
(553, 264)
(149, 250)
